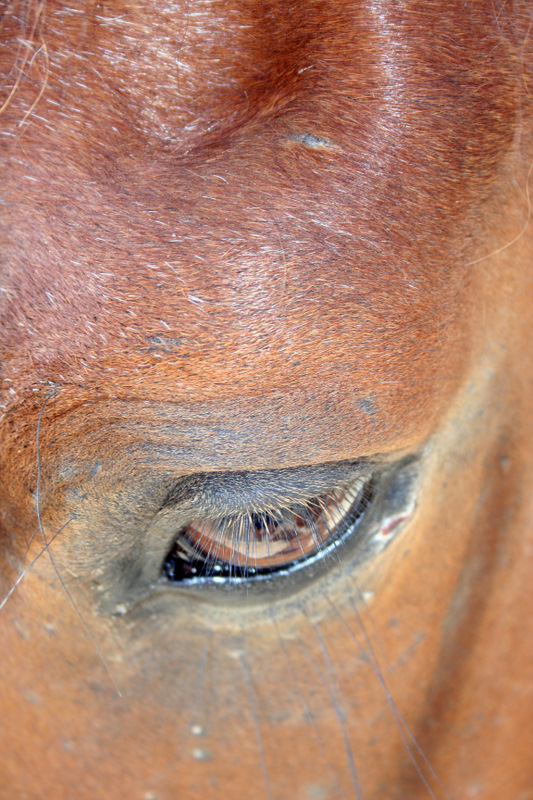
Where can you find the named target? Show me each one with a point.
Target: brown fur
(256, 236)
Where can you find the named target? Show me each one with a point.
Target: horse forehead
(241, 311)
(290, 239)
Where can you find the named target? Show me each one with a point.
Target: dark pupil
(264, 522)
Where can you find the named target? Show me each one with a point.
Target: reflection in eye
(269, 540)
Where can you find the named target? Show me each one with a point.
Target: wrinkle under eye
(263, 542)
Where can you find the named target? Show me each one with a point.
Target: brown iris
(265, 540)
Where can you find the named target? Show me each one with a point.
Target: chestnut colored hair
(176, 184)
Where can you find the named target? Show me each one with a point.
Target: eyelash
(263, 542)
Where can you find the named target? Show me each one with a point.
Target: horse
(266, 399)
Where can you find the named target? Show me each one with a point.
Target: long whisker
(194, 711)
(25, 571)
(519, 234)
(400, 721)
(39, 474)
(337, 699)
(394, 706)
(297, 684)
(201, 673)
(46, 544)
(253, 706)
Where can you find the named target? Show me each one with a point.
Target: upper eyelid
(238, 492)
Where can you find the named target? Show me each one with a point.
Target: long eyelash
(322, 516)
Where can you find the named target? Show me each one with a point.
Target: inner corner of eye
(263, 541)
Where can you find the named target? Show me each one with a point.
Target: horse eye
(263, 542)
